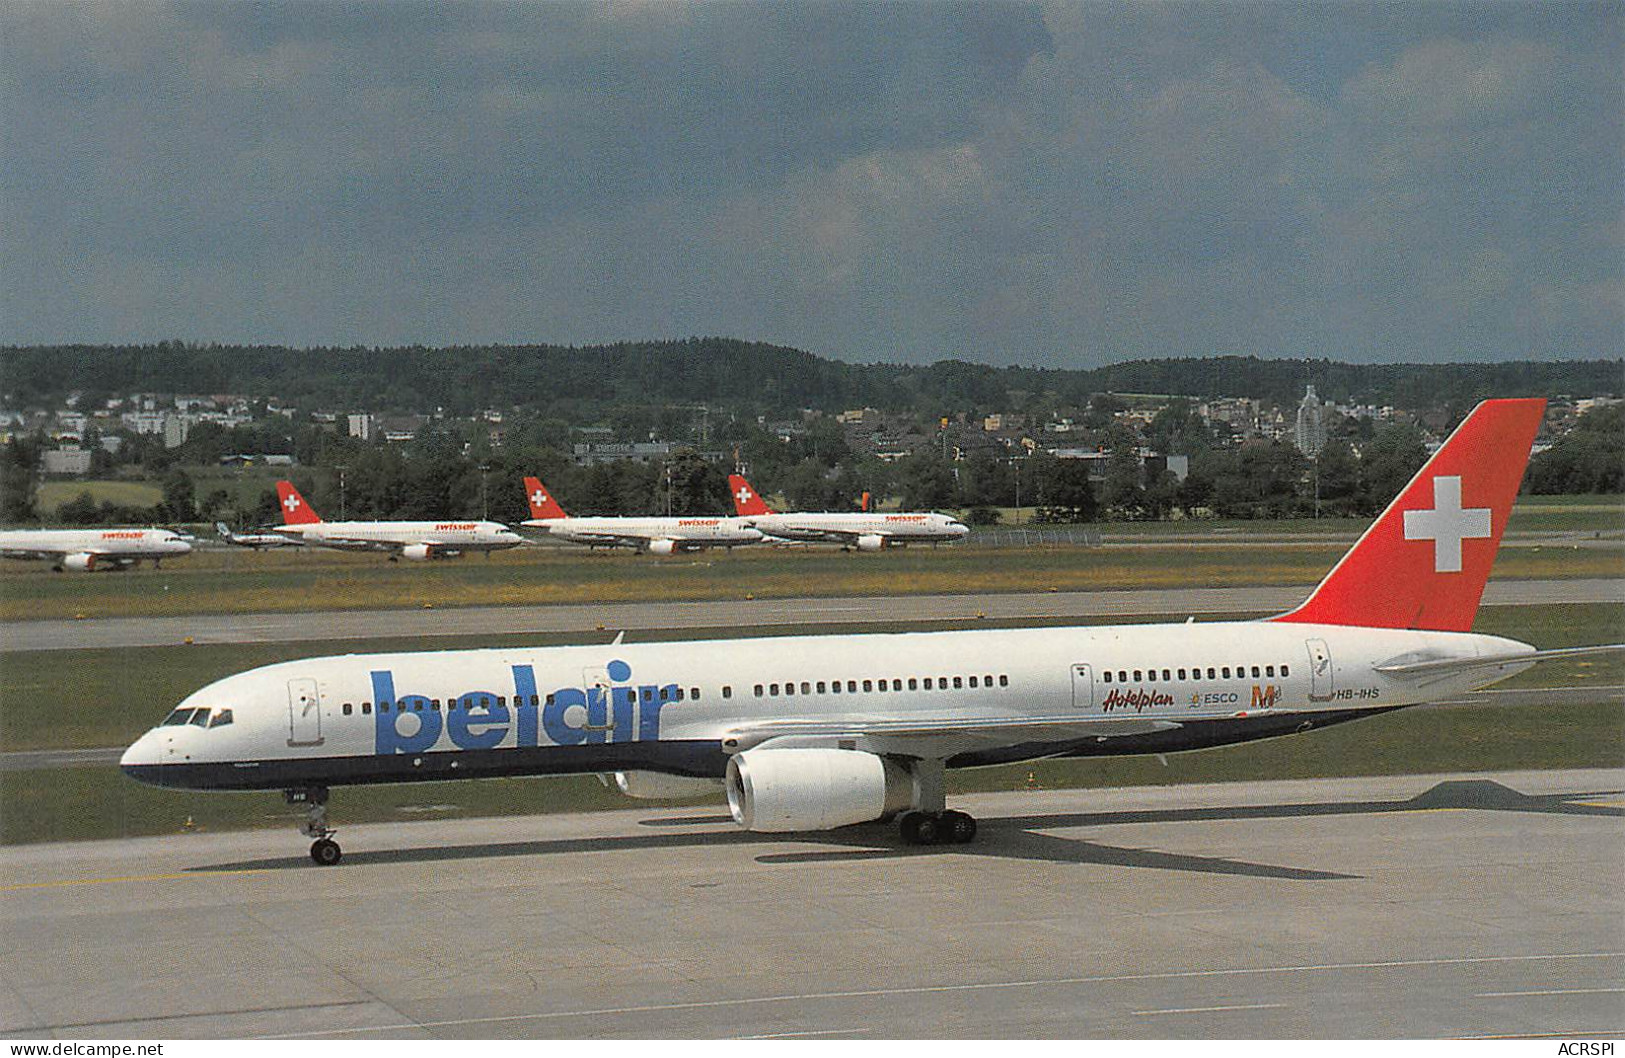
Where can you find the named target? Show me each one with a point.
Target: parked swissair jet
(660, 536)
(88, 550)
(419, 541)
(817, 732)
(864, 530)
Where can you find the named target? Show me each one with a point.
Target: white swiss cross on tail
(743, 493)
(292, 503)
(1447, 524)
(538, 498)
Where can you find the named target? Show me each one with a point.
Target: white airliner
(660, 536)
(88, 550)
(864, 530)
(419, 541)
(256, 541)
(816, 732)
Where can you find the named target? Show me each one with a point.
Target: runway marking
(1209, 1010)
(1549, 992)
(871, 993)
(796, 1035)
(127, 878)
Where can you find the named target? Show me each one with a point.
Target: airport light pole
(341, 468)
(485, 509)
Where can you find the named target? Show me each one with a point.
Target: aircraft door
(600, 725)
(1083, 688)
(304, 713)
(1320, 671)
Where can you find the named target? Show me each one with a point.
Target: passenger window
(973, 681)
(1106, 676)
(550, 697)
(773, 689)
(913, 683)
(347, 708)
(1004, 681)
(1255, 672)
(1138, 677)
(1181, 673)
(884, 686)
(806, 688)
(868, 685)
(417, 706)
(942, 683)
(835, 687)
(987, 681)
(434, 704)
(928, 683)
(366, 708)
(648, 694)
(223, 717)
(1284, 672)
(758, 691)
(502, 699)
(535, 700)
(958, 682)
(852, 686)
(1226, 671)
(727, 691)
(1210, 674)
(1269, 670)
(1166, 676)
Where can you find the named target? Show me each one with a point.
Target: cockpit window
(200, 718)
(221, 718)
(178, 717)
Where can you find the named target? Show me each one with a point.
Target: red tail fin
(295, 511)
(1425, 560)
(543, 507)
(746, 500)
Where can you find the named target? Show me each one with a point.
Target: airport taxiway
(122, 632)
(1411, 906)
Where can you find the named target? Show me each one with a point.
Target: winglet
(295, 511)
(746, 499)
(1424, 562)
(543, 507)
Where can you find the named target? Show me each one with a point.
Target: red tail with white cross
(295, 511)
(1424, 562)
(543, 507)
(746, 499)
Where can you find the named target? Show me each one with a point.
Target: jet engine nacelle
(871, 542)
(779, 790)
(658, 786)
(662, 547)
(82, 563)
(417, 552)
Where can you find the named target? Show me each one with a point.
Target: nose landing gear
(324, 851)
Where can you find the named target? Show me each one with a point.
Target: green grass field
(53, 494)
(236, 581)
(81, 699)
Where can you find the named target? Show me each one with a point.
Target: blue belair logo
(568, 716)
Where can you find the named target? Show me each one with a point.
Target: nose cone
(143, 759)
(751, 533)
(959, 528)
(508, 536)
(177, 546)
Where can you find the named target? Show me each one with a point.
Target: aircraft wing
(34, 553)
(936, 737)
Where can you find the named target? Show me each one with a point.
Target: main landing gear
(929, 821)
(937, 828)
(324, 850)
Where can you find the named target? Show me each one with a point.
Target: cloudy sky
(1057, 184)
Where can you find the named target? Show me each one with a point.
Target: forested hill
(732, 373)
